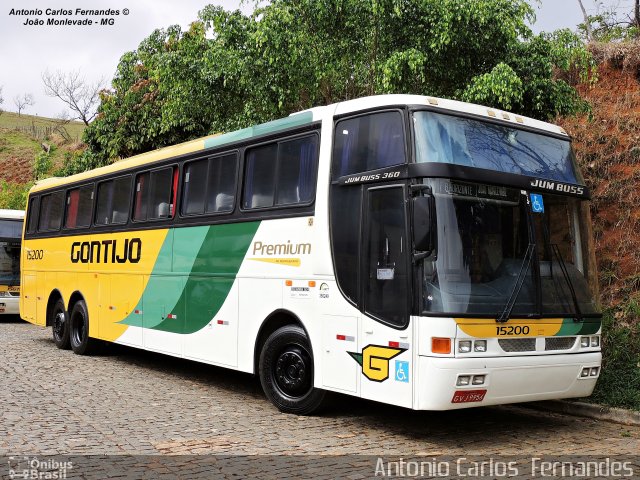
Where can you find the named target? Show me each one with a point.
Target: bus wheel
(60, 325)
(286, 371)
(79, 330)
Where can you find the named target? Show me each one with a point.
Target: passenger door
(386, 335)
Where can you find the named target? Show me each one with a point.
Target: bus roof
(11, 214)
(302, 118)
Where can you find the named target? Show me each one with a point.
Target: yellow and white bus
(10, 241)
(412, 250)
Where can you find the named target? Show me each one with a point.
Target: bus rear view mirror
(423, 220)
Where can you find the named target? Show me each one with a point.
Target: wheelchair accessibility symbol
(402, 371)
(537, 204)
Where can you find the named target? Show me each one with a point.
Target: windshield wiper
(565, 273)
(526, 263)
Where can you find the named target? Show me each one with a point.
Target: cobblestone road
(127, 401)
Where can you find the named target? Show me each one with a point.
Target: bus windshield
(490, 246)
(10, 233)
(463, 141)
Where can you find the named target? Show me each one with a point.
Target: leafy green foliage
(13, 195)
(229, 70)
(619, 382)
(43, 163)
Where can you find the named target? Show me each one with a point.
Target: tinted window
(209, 185)
(112, 206)
(463, 141)
(282, 173)
(222, 183)
(386, 278)
(51, 207)
(195, 187)
(155, 193)
(33, 215)
(141, 201)
(79, 203)
(368, 142)
(260, 176)
(345, 237)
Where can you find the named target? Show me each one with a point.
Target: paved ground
(127, 401)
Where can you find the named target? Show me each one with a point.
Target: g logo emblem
(374, 360)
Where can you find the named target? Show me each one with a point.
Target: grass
(12, 120)
(619, 382)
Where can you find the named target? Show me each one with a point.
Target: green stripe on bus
(296, 120)
(215, 259)
(584, 327)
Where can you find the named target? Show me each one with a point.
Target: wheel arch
(275, 320)
(54, 296)
(75, 298)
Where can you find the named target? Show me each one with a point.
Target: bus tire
(81, 343)
(286, 372)
(60, 325)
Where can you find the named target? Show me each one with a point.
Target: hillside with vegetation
(607, 145)
(31, 148)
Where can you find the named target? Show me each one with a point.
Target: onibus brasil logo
(374, 360)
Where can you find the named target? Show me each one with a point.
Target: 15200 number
(512, 330)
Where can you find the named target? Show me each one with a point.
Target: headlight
(595, 341)
(584, 342)
(477, 380)
(463, 380)
(464, 346)
(480, 346)
(4, 294)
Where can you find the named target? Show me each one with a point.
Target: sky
(26, 51)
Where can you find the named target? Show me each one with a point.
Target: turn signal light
(440, 345)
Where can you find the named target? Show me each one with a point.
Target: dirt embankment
(607, 144)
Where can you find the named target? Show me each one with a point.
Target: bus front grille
(517, 344)
(559, 343)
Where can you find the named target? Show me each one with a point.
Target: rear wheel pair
(72, 330)
(286, 371)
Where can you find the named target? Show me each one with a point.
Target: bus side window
(282, 173)
(210, 185)
(33, 215)
(51, 208)
(368, 142)
(222, 183)
(79, 203)
(161, 193)
(112, 206)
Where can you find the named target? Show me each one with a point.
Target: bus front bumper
(9, 305)
(506, 379)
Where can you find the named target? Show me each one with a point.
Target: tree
(608, 24)
(80, 96)
(230, 70)
(23, 101)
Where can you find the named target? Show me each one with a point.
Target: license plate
(465, 396)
